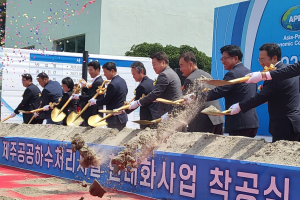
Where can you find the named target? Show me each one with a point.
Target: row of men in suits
(282, 97)
(167, 86)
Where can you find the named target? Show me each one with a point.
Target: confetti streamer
(84, 7)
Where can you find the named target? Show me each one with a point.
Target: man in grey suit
(167, 85)
(201, 122)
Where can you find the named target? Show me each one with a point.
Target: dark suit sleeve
(25, 101)
(286, 72)
(140, 90)
(64, 99)
(161, 85)
(263, 96)
(109, 95)
(46, 99)
(221, 91)
(87, 97)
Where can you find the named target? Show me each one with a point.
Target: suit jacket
(234, 94)
(149, 111)
(88, 94)
(31, 101)
(51, 93)
(283, 103)
(202, 121)
(286, 72)
(72, 106)
(114, 98)
(167, 87)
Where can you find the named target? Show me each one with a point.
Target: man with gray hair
(149, 111)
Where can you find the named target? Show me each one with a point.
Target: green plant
(146, 49)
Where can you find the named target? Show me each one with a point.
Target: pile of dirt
(204, 144)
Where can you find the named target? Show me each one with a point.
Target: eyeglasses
(223, 59)
(261, 60)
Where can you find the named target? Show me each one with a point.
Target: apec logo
(290, 20)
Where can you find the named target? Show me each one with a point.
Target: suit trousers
(249, 132)
(118, 126)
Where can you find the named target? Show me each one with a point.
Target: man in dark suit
(282, 98)
(242, 124)
(167, 85)
(201, 122)
(31, 100)
(150, 111)
(90, 91)
(114, 97)
(51, 93)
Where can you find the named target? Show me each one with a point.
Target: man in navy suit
(90, 91)
(30, 101)
(242, 124)
(150, 111)
(115, 96)
(282, 98)
(51, 93)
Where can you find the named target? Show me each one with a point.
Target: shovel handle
(65, 105)
(31, 119)
(6, 118)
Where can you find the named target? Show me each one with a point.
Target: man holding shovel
(150, 111)
(201, 122)
(31, 100)
(242, 124)
(282, 98)
(115, 96)
(167, 86)
(90, 91)
(51, 93)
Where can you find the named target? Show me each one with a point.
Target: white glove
(12, 115)
(35, 114)
(165, 117)
(134, 105)
(92, 102)
(83, 83)
(189, 98)
(255, 77)
(46, 108)
(75, 96)
(235, 109)
(120, 113)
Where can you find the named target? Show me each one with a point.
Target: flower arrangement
(154, 83)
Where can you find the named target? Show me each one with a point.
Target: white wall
(113, 26)
(32, 17)
(176, 22)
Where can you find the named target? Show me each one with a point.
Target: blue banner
(166, 175)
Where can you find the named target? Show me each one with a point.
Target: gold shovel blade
(96, 120)
(72, 121)
(99, 124)
(143, 122)
(225, 112)
(57, 115)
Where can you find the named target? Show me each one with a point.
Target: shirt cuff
(268, 75)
